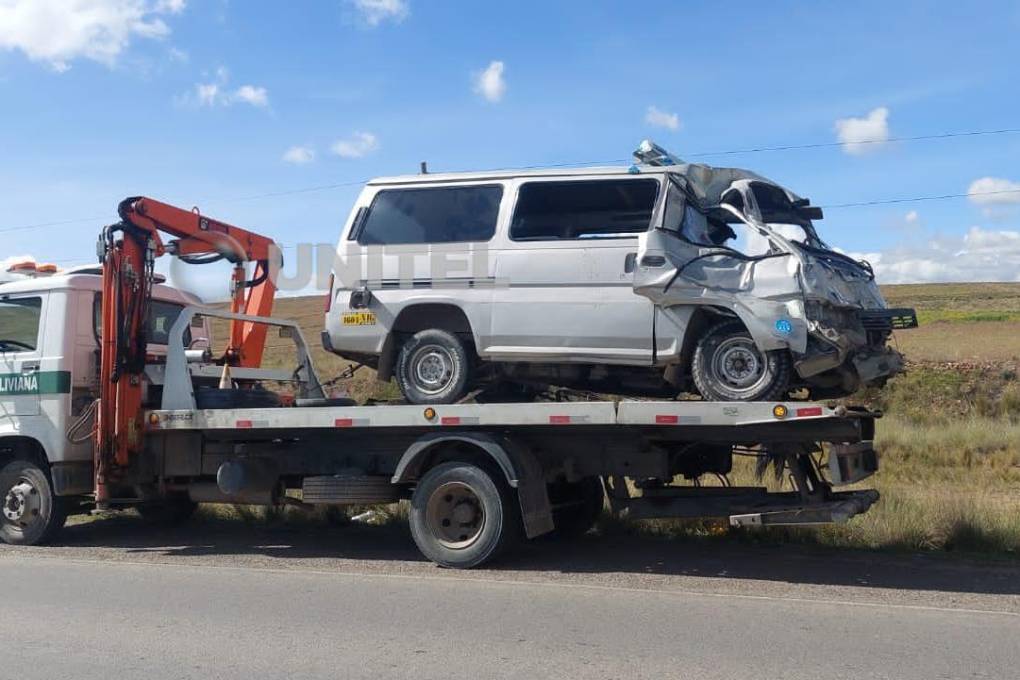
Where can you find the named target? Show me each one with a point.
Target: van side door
(564, 275)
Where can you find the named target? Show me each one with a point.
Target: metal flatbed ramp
(664, 414)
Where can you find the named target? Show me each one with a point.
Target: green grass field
(949, 442)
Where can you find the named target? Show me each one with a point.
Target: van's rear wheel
(728, 366)
(433, 368)
(31, 513)
(462, 516)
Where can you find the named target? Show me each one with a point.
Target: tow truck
(128, 413)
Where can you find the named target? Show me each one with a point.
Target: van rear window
(607, 208)
(432, 215)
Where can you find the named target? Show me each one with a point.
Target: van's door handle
(629, 262)
(29, 366)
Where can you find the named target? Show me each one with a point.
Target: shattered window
(793, 232)
(747, 241)
(548, 211)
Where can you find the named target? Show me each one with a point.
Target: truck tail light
(329, 294)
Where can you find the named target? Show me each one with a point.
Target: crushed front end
(849, 325)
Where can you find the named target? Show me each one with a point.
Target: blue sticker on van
(784, 326)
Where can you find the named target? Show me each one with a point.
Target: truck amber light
(430, 413)
(153, 420)
(780, 411)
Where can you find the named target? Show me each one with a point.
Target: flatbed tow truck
(183, 428)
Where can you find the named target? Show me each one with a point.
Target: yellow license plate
(358, 319)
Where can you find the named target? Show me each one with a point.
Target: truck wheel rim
(22, 504)
(432, 367)
(739, 365)
(455, 515)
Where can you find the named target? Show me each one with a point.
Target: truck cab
(49, 345)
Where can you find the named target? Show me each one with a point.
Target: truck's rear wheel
(31, 513)
(728, 366)
(462, 516)
(433, 367)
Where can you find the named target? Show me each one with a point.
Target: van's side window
(589, 209)
(19, 324)
(432, 215)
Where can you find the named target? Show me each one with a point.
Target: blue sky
(210, 102)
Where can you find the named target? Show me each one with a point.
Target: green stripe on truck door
(40, 382)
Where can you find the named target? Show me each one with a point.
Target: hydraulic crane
(127, 251)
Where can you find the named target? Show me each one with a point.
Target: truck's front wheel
(31, 514)
(462, 516)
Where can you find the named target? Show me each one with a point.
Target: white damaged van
(652, 279)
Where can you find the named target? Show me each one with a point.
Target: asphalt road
(117, 601)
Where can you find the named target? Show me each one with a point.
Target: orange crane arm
(127, 251)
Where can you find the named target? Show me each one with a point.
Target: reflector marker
(809, 411)
(567, 420)
(352, 422)
(459, 420)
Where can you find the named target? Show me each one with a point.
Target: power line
(918, 199)
(762, 149)
(887, 140)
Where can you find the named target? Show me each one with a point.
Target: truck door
(20, 355)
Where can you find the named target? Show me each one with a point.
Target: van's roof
(483, 175)
(87, 281)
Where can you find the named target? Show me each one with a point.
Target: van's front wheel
(433, 368)
(728, 366)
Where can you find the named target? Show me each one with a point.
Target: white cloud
(860, 135)
(179, 55)
(57, 32)
(171, 6)
(979, 255)
(249, 94)
(911, 217)
(299, 155)
(208, 93)
(659, 118)
(490, 83)
(357, 145)
(216, 93)
(375, 12)
(994, 191)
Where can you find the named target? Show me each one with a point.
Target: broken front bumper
(843, 338)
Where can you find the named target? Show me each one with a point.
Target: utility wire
(918, 199)
(824, 145)
(792, 147)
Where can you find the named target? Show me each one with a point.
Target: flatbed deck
(769, 419)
